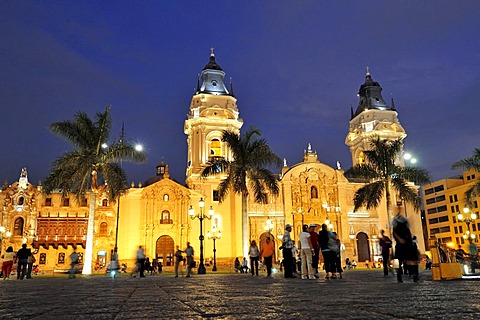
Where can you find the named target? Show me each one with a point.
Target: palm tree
(471, 163)
(247, 171)
(90, 163)
(382, 175)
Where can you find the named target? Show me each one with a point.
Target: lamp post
(468, 218)
(214, 235)
(200, 216)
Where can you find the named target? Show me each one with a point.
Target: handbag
(396, 264)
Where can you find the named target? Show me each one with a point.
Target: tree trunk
(389, 208)
(245, 243)
(88, 257)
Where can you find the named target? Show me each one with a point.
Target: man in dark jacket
(22, 256)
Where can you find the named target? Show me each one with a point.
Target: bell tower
(213, 109)
(373, 117)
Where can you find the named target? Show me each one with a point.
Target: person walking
(287, 245)
(268, 254)
(190, 252)
(8, 258)
(316, 248)
(405, 249)
(22, 255)
(306, 251)
(178, 259)
(338, 259)
(141, 261)
(254, 255)
(73, 263)
(324, 237)
(385, 244)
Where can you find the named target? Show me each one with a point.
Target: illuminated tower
(213, 109)
(373, 117)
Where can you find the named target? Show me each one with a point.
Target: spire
(370, 96)
(212, 78)
(122, 133)
(392, 104)
(212, 52)
(368, 72)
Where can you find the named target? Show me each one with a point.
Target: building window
(443, 219)
(165, 197)
(84, 202)
(460, 229)
(454, 219)
(18, 227)
(451, 198)
(80, 257)
(439, 188)
(166, 218)
(61, 258)
(20, 201)
(474, 227)
(48, 202)
(66, 202)
(455, 198)
(215, 148)
(43, 258)
(473, 176)
(215, 195)
(441, 208)
(314, 192)
(103, 229)
(429, 191)
(105, 203)
(456, 230)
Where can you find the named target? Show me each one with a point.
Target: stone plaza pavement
(362, 294)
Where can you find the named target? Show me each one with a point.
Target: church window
(48, 202)
(66, 202)
(18, 227)
(215, 148)
(166, 218)
(20, 201)
(105, 203)
(103, 229)
(216, 195)
(361, 158)
(84, 202)
(165, 197)
(314, 192)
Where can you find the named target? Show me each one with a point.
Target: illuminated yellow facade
(156, 216)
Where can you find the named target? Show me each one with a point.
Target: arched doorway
(363, 248)
(165, 250)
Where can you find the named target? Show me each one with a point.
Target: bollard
(436, 273)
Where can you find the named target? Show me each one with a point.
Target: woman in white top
(306, 252)
(8, 258)
(254, 254)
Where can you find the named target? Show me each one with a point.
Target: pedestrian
(22, 256)
(326, 245)
(8, 258)
(141, 261)
(244, 265)
(148, 265)
(268, 254)
(73, 263)
(178, 259)
(316, 248)
(30, 261)
(385, 244)
(237, 266)
(254, 255)
(296, 263)
(338, 258)
(190, 263)
(405, 249)
(306, 252)
(287, 245)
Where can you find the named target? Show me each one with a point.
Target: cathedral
(161, 213)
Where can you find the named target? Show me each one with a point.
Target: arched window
(103, 229)
(18, 227)
(215, 148)
(313, 192)
(361, 158)
(105, 203)
(20, 201)
(166, 218)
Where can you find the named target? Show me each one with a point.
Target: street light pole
(468, 218)
(201, 216)
(214, 235)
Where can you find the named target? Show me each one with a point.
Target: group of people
(144, 265)
(187, 260)
(311, 244)
(24, 260)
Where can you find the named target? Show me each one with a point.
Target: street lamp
(200, 216)
(469, 217)
(214, 235)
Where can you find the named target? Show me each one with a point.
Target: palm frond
(406, 192)
(364, 171)
(472, 162)
(369, 196)
(417, 175)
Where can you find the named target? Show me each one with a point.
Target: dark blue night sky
(296, 68)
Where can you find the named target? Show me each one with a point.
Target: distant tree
(247, 171)
(471, 163)
(382, 175)
(91, 162)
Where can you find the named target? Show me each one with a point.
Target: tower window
(103, 229)
(104, 202)
(166, 218)
(361, 158)
(18, 227)
(215, 148)
(66, 202)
